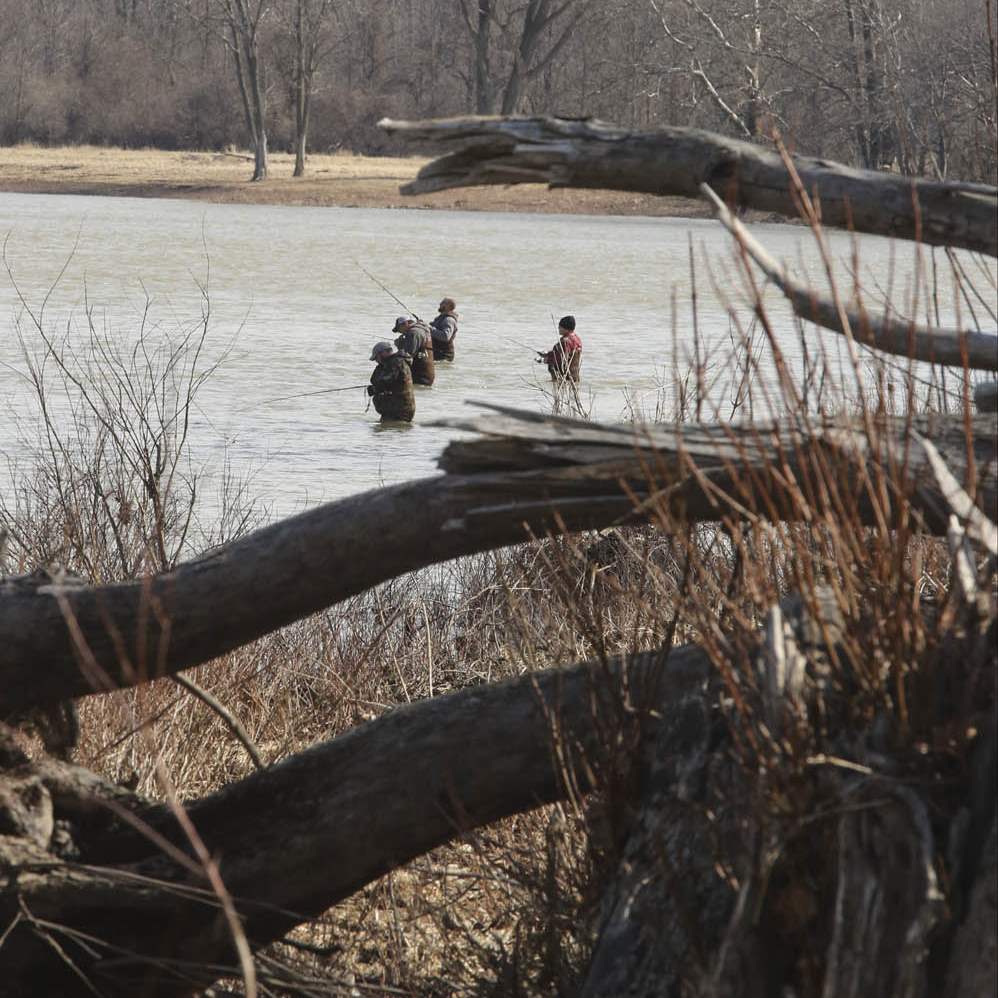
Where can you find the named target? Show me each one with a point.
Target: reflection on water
(295, 315)
(392, 426)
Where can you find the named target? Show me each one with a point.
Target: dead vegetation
(777, 761)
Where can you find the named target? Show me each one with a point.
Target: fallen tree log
(125, 903)
(524, 475)
(570, 152)
(119, 908)
(301, 835)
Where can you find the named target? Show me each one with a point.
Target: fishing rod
(526, 346)
(322, 391)
(398, 301)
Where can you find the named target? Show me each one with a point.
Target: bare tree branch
(526, 475)
(231, 721)
(587, 153)
(954, 347)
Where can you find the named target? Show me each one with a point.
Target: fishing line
(395, 299)
(526, 346)
(303, 395)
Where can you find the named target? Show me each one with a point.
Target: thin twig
(225, 714)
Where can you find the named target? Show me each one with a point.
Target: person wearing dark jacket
(416, 341)
(443, 329)
(391, 385)
(564, 359)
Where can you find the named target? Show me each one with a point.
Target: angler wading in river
(391, 385)
(443, 329)
(564, 359)
(415, 340)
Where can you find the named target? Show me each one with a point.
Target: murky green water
(298, 315)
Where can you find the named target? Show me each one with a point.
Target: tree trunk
(258, 109)
(484, 91)
(862, 126)
(242, 28)
(302, 88)
(528, 475)
(586, 153)
(354, 809)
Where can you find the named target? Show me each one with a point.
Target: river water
(294, 313)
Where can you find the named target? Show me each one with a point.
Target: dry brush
(809, 781)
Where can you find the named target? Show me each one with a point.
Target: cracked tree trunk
(297, 837)
(568, 152)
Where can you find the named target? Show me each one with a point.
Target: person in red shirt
(564, 359)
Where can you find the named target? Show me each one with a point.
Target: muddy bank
(339, 180)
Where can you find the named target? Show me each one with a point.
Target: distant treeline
(902, 84)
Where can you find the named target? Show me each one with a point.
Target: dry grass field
(337, 180)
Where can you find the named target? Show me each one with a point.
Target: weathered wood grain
(525, 475)
(296, 838)
(569, 152)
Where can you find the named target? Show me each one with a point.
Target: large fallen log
(569, 152)
(524, 475)
(299, 836)
(86, 896)
(121, 908)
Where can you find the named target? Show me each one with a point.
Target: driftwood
(129, 907)
(953, 347)
(524, 474)
(354, 808)
(568, 152)
(133, 917)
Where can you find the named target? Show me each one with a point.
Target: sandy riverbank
(342, 180)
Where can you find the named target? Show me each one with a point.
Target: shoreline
(339, 180)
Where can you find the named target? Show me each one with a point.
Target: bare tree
(520, 34)
(723, 43)
(306, 27)
(478, 17)
(239, 24)
(908, 84)
(869, 39)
